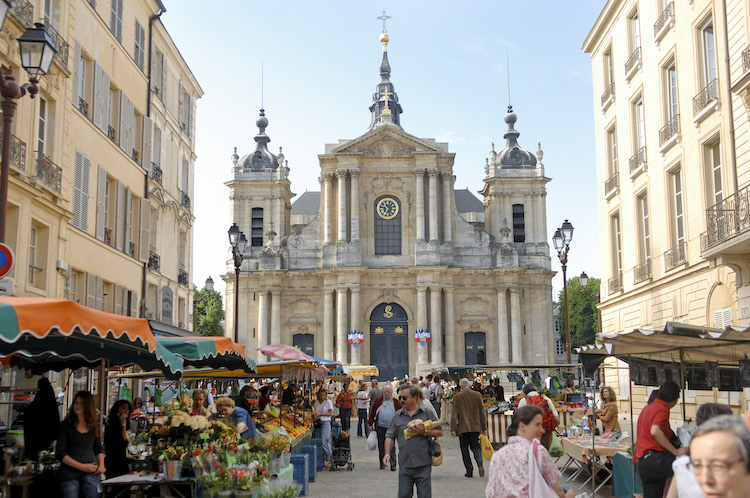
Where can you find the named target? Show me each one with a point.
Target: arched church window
(519, 234)
(387, 214)
(256, 228)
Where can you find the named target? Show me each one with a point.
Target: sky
(451, 64)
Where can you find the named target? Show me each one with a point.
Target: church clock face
(387, 208)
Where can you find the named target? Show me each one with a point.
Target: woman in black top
(41, 420)
(116, 439)
(79, 449)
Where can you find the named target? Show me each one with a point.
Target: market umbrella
(284, 352)
(51, 334)
(215, 352)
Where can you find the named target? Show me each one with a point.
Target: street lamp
(239, 244)
(37, 51)
(584, 280)
(562, 238)
(210, 289)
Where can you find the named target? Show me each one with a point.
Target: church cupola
(513, 156)
(385, 108)
(262, 159)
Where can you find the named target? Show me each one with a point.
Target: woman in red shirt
(344, 404)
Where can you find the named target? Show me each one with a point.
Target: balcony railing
(727, 219)
(609, 93)
(615, 283)
(707, 95)
(634, 59)
(83, 106)
(135, 155)
(185, 199)
(675, 257)
(156, 173)
(643, 271)
(17, 152)
(48, 172)
(60, 45)
(24, 11)
(153, 261)
(112, 134)
(131, 249)
(669, 130)
(612, 183)
(108, 236)
(638, 160)
(182, 277)
(746, 60)
(666, 16)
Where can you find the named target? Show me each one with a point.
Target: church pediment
(386, 142)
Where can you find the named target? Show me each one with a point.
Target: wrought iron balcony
(135, 155)
(609, 93)
(60, 45)
(156, 173)
(17, 152)
(706, 96)
(676, 256)
(727, 219)
(112, 134)
(666, 16)
(746, 60)
(638, 160)
(642, 272)
(108, 236)
(24, 11)
(182, 277)
(669, 130)
(153, 261)
(615, 283)
(131, 249)
(48, 172)
(633, 61)
(612, 183)
(185, 199)
(83, 106)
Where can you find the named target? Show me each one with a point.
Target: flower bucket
(242, 493)
(225, 494)
(172, 469)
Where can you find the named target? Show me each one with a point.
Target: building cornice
(602, 23)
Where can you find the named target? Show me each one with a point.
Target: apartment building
(102, 161)
(671, 84)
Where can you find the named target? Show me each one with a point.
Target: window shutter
(91, 290)
(118, 299)
(100, 200)
(131, 128)
(67, 278)
(723, 317)
(85, 193)
(128, 219)
(124, 122)
(144, 230)
(133, 303)
(99, 293)
(97, 101)
(77, 83)
(120, 217)
(148, 138)
(104, 104)
(180, 106)
(77, 190)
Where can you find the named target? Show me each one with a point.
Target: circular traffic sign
(6, 259)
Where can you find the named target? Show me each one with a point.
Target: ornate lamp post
(37, 51)
(239, 244)
(210, 289)
(562, 238)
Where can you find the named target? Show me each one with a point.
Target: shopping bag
(372, 441)
(435, 447)
(555, 447)
(538, 487)
(487, 449)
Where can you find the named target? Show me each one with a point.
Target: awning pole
(592, 427)
(632, 426)
(682, 382)
(102, 394)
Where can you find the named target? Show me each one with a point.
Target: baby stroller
(341, 452)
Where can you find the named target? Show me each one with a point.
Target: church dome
(261, 159)
(513, 156)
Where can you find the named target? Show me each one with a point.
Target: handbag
(372, 441)
(538, 487)
(487, 449)
(318, 423)
(435, 447)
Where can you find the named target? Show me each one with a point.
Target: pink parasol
(284, 352)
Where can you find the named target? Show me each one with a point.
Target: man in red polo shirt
(654, 453)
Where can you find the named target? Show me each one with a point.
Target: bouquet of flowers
(171, 453)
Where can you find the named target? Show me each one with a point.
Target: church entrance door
(475, 351)
(389, 341)
(305, 343)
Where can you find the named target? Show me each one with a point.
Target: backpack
(433, 394)
(548, 418)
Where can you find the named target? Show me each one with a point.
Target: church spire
(385, 108)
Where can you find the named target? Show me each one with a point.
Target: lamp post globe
(584, 279)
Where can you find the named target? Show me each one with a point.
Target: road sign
(6, 259)
(6, 286)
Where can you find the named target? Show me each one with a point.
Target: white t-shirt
(687, 485)
(324, 407)
(362, 405)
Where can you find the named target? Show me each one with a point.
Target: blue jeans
(346, 415)
(362, 420)
(88, 483)
(324, 433)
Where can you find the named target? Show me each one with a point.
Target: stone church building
(390, 255)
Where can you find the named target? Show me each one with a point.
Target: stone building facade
(390, 248)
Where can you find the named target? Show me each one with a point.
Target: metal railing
(612, 183)
(60, 45)
(182, 277)
(615, 283)
(153, 261)
(676, 256)
(609, 92)
(108, 236)
(24, 11)
(48, 172)
(17, 152)
(746, 60)
(131, 249)
(83, 106)
(634, 59)
(666, 15)
(707, 95)
(112, 134)
(642, 272)
(669, 130)
(638, 159)
(156, 173)
(184, 199)
(727, 219)
(135, 154)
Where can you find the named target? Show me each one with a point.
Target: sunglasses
(404, 398)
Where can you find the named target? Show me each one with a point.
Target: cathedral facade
(389, 265)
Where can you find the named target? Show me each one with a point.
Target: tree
(583, 315)
(209, 312)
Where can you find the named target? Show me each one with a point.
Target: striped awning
(363, 370)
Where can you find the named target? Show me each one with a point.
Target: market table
(139, 484)
(580, 452)
(622, 476)
(498, 423)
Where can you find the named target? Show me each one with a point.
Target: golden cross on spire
(385, 93)
(383, 17)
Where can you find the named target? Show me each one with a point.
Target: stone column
(433, 205)
(436, 327)
(341, 211)
(354, 178)
(278, 224)
(422, 358)
(502, 328)
(275, 317)
(515, 325)
(450, 333)
(447, 180)
(327, 324)
(419, 182)
(262, 323)
(327, 209)
(341, 342)
(355, 321)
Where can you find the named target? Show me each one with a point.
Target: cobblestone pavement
(368, 480)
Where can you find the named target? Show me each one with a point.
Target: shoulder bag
(435, 447)
(538, 487)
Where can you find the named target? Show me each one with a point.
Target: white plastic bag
(372, 441)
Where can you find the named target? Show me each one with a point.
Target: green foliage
(209, 312)
(584, 317)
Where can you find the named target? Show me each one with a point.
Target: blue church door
(474, 347)
(389, 341)
(305, 343)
